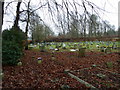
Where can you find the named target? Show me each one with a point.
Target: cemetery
(59, 44)
(85, 65)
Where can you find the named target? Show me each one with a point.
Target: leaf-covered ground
(50, 73)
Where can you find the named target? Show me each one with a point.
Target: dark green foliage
(11, 52)
(109, 64)
(12, 46)
(15, 35)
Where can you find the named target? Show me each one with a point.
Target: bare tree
(29, 12)
(27, 24)
(17, 15)
(61, 15)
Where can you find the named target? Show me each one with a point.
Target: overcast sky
(111, 6)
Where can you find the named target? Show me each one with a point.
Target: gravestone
(56, 49)
(42, 48)
(64, 46)
(102, 49)
(39, 60)
(51, 48)
(87, 46)
(114, 46)
(81, 52)
(108, 50)
(97, 46)
(31, 47)
(72, 50)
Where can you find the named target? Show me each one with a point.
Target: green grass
(70, 45)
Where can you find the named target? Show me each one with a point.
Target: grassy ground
(76, 45)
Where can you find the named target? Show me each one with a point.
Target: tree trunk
(1, 23)
(1, 15)
(26, 30)
(17, 15)
(85, 28)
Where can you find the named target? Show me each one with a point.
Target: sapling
(109, 65)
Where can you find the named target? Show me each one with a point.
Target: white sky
(109, 5)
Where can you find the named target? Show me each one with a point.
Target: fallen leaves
(49, 73)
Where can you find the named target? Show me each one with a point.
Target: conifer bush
(12, 46)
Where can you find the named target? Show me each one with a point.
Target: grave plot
(100, 46)
(97, 77)
(48, 70)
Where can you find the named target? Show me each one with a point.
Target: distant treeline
(62, 39)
